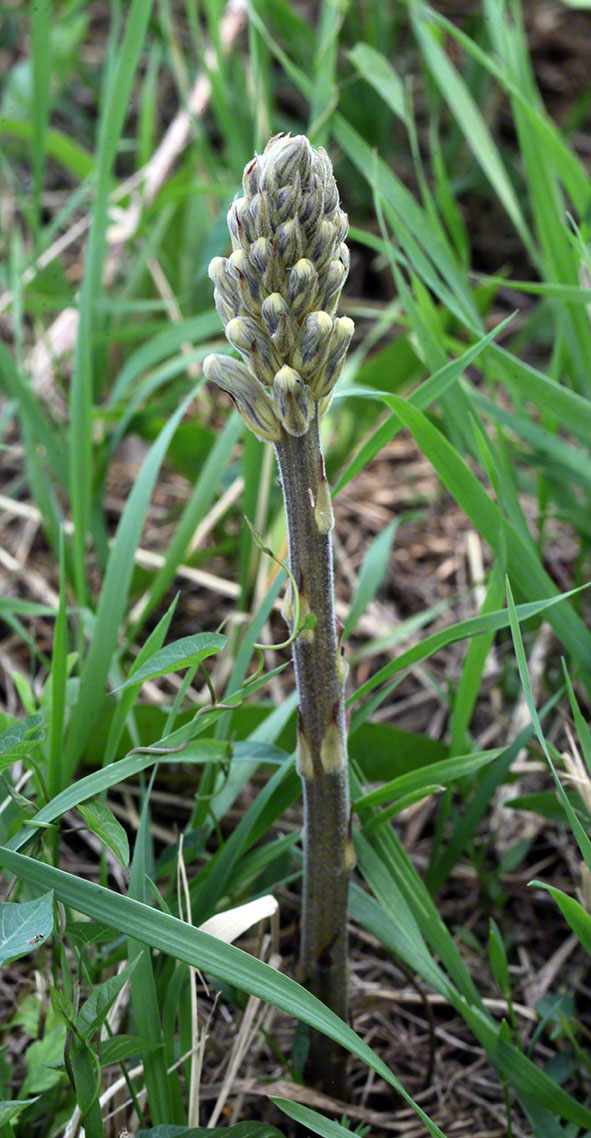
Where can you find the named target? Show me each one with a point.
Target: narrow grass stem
(322, 754)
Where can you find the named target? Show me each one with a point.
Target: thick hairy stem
(322, 749)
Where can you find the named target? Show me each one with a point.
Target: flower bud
(219, 272)
(279, 323)
(236, 224)
(249, 281)
(290, 245)
(302, 283)
(251, 178)
(283, 158)
(285, 202)
(331, 285)
(259, 216)
(292, 401)
(323, 382)
(312, 204)
(248, 394)
(247, 336)
(223, 309)
(260, 255)
(311, 350)
(322, 244)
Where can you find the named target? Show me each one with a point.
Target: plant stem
(322, 753)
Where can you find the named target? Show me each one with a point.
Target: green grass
(499, 403)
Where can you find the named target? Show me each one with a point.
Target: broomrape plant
(277, 295)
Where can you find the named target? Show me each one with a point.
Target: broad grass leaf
(94, 1010)
(19, 740)
(574, 913)
(69, 154)
(427, 393)
(127, 699)
(9, 1111)
(180, 654)
(498, 959)
(23, 925)
(104, 824)
(379, 73)
(118, 1048)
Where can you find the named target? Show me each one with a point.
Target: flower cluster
(278, 290)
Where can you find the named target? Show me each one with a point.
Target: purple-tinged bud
(236, 226)
(282, 158)
(341, 224)
(285, 202)
(312, 204)
(329, 287)
(322, 244)
(344, 256)
(251, 178)
(259, 216)
(249, 283)
(260, 255)
(290, 244)
(302, 283)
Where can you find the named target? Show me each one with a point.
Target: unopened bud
(247, 279)
(248, 338)
(283, 158)
(330, 288)
(250, 397)
(285, 202)
(290, 244)
(302, 283)
(260, 255)
(312, 347)
(323, 382)
(251, 178)
(292, 401)
(312, 204)
(279, 323)
(239, 224)
(322, 244)
(222, 308)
